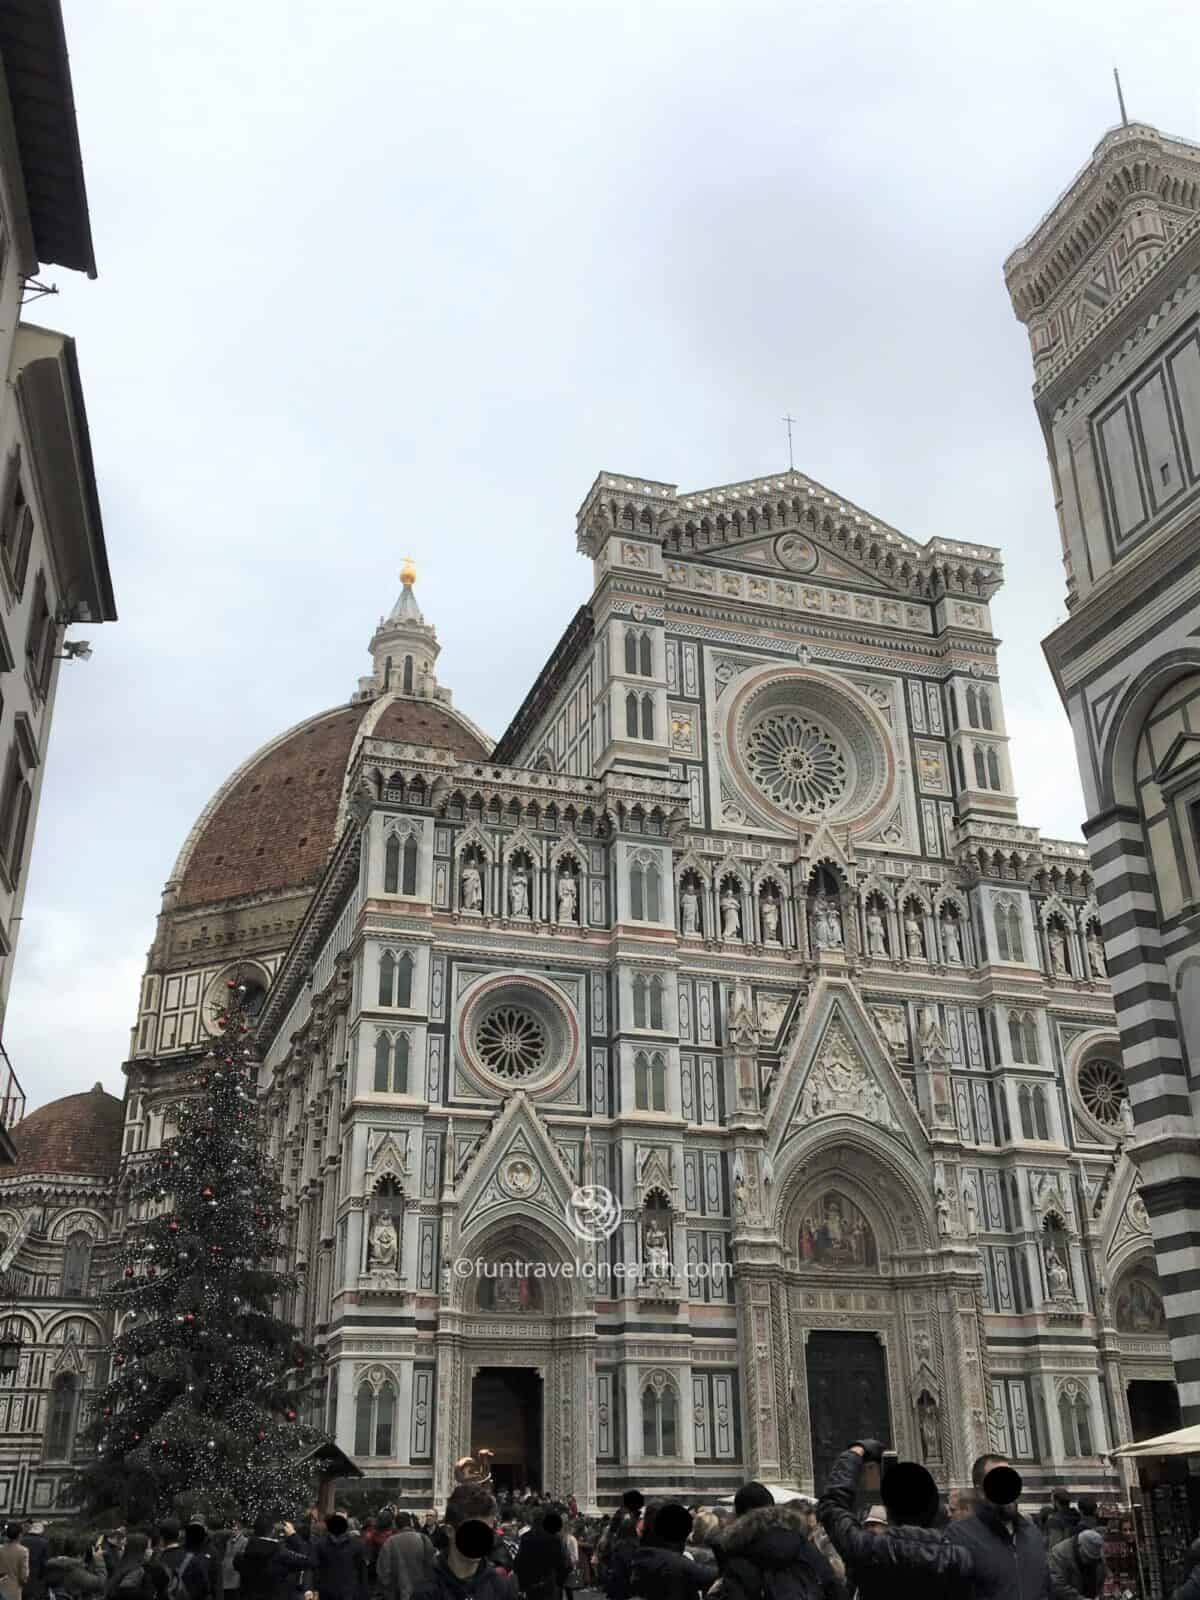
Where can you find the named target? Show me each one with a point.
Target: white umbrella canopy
(1183, 1442)
(781, 1493)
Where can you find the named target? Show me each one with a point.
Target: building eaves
(33, 50)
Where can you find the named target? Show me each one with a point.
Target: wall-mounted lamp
(75, 650)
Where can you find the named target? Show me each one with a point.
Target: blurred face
(960, 1505)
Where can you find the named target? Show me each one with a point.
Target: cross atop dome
(404, 647)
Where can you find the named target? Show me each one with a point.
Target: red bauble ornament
(129, 1272)
(136, 1437)
(173, 1226)
(291, 1416)
(108, 1411)
(260, 1437)
(120, 1360)
(189, 1316)
(204, 1081)
(162, 1444)
(231, 983)
(206, 1194)
(152, 1272)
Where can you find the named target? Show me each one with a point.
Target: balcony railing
(12, 1108)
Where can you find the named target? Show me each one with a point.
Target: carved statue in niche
(382, 1245)
(971, 1207)
(1096, 956)
(876, 931)
(472, 887)
(1058, 952)
(689, 908)
(891, 1025)
(951, 940)
(834, 1233)
(658, 1255)
(1128, 1126)
(1057, 1276)
(914, 937)
(739, 1195)
(568, 896)
(929, 1427)
(518, 891)
(770, 919)
(942, 1206)
(827, 924)
(731, 915)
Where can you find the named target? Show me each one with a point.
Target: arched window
(645, 661)
(1015, 942)
(962, 771)
(952, 707)
(1041, 1120)
(385, 1420)
(641, 1081)
(656, 1002)
(395, 979)
(972, 705)
(631, 715)
(408, 675)
(985, 709)
(387, 978)
(408, 879)
(383, 1063)
(76, 1259)
(637, 892)
(1025, 1107)
(993, 767)
(631, 651)
(1016, 1040)
(640, 1009)
(387, 674)
(653, 893)
(60, 1422)
(391, 865)
(404, 980)
(980, 769)
(1075, 1416)
(647, 717)
(658, 1082)
(364, 1416)
(1029, 1029)
(659, 1426)
(1000, 919)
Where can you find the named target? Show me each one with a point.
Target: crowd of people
(976, 1545)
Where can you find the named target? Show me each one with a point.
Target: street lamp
(10, 1353)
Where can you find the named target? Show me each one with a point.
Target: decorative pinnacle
(408, 572)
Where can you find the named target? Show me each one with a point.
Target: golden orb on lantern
(408, 572)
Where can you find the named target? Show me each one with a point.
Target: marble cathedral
(734, 936)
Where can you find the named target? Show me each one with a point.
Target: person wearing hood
(617, 1545)
(68, 1573)
(1189, 1589)
(1077, 1569)
(463, 1570)
(340, 1561)
(273, 1557)
(138, 1575)
(1006, 1549)
(768, 1550)
(907, 1553)
(659, 1569)
(542, 1564)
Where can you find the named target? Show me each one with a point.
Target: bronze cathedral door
(847, 1396)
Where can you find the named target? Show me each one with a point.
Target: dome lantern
(404, 647)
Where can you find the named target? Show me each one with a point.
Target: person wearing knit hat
(909, 1555)
(1077, 1568)
(751, 1496)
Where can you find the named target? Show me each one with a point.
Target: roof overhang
(50, 398)
(41, 109)
(332, 1460)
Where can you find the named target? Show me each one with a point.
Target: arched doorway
(516, 1362)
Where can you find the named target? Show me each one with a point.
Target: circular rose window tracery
(797, 763)
(1102, 1090)
(511, 1042)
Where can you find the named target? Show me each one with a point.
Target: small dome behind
(81, 1134)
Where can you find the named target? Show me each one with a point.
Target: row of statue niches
(520, 899)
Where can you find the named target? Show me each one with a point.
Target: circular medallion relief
(795, 553)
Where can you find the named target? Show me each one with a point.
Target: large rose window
(517, 1031)
(803, 744)
(798, 763)
(511, 1042)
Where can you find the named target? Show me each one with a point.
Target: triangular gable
(1181, 757)
(517, 1161)
(840, 1065)
(387, 1156)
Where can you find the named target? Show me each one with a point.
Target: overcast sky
(389, 278)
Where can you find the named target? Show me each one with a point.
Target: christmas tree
(202, 1405)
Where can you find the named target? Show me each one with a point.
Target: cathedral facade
(714, 1069)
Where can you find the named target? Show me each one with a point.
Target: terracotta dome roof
(81, 1133)
(271, 826)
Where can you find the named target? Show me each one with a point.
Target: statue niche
(656, 1239)
(385, 1226)
(826, 932)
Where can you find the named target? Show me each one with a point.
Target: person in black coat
(659, 1570)
(340, 1564)
(1007, 1550)
(542, 1566)
(36, 1542)
(273, 1557)
(1189, 1589)
(908, 1554)
(768, 1550)
(1063, 1520)
(137, 1576)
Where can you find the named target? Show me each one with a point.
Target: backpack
(177, 1588)
(134, 1579)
